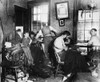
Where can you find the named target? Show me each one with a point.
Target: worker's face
(93, 32)
(26, 34)
(64, 36)
(68, 39)
(32, 36)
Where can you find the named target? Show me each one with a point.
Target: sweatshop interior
(49, 40)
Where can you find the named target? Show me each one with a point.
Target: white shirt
(95, 41)
(20, 34)
(59, 44)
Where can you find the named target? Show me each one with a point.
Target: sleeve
(90, 41)
(64, 46)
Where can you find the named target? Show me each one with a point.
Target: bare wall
(7, 13)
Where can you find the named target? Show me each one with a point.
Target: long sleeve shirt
(59, 44)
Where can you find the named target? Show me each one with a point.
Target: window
(40, 14)
(87, 20)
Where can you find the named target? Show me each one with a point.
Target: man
(95, 42)
(73, 61)
(25, 45)
(60, 45)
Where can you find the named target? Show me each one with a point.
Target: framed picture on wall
(61, 10)
(61, 22)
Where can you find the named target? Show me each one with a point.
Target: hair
(18, 30)
(32, 33)
(66, 33)
(94, 29)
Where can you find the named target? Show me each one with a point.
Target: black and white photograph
(62, 10)
(49, 40)
(61, 22)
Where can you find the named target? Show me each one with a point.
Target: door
(22, 18)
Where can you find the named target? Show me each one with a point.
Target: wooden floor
(81, 77)
(86, 77)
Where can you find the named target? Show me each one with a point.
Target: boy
(95, 42)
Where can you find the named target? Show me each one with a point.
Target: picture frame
(62, 10)
(61, 22)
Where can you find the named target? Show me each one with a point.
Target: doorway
(21, 18)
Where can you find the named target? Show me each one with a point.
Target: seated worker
(25, 45)
(60, 45)
(95, 54)
(73, 61)
(94, 40)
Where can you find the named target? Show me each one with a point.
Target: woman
(60, 45)
(36, 50)
(25, 45)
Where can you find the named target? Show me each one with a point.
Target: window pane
(80, 35)
(39, 9)
(95, 25)
(44, 9)
(35, 11)
(88, 17)
(44, 17)
(35, 17)
(80, 26)
(88, 26)
(96, 16)
(87, 35)
(39, 17)
(81, 15)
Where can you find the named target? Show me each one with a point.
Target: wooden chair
(59, 64)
